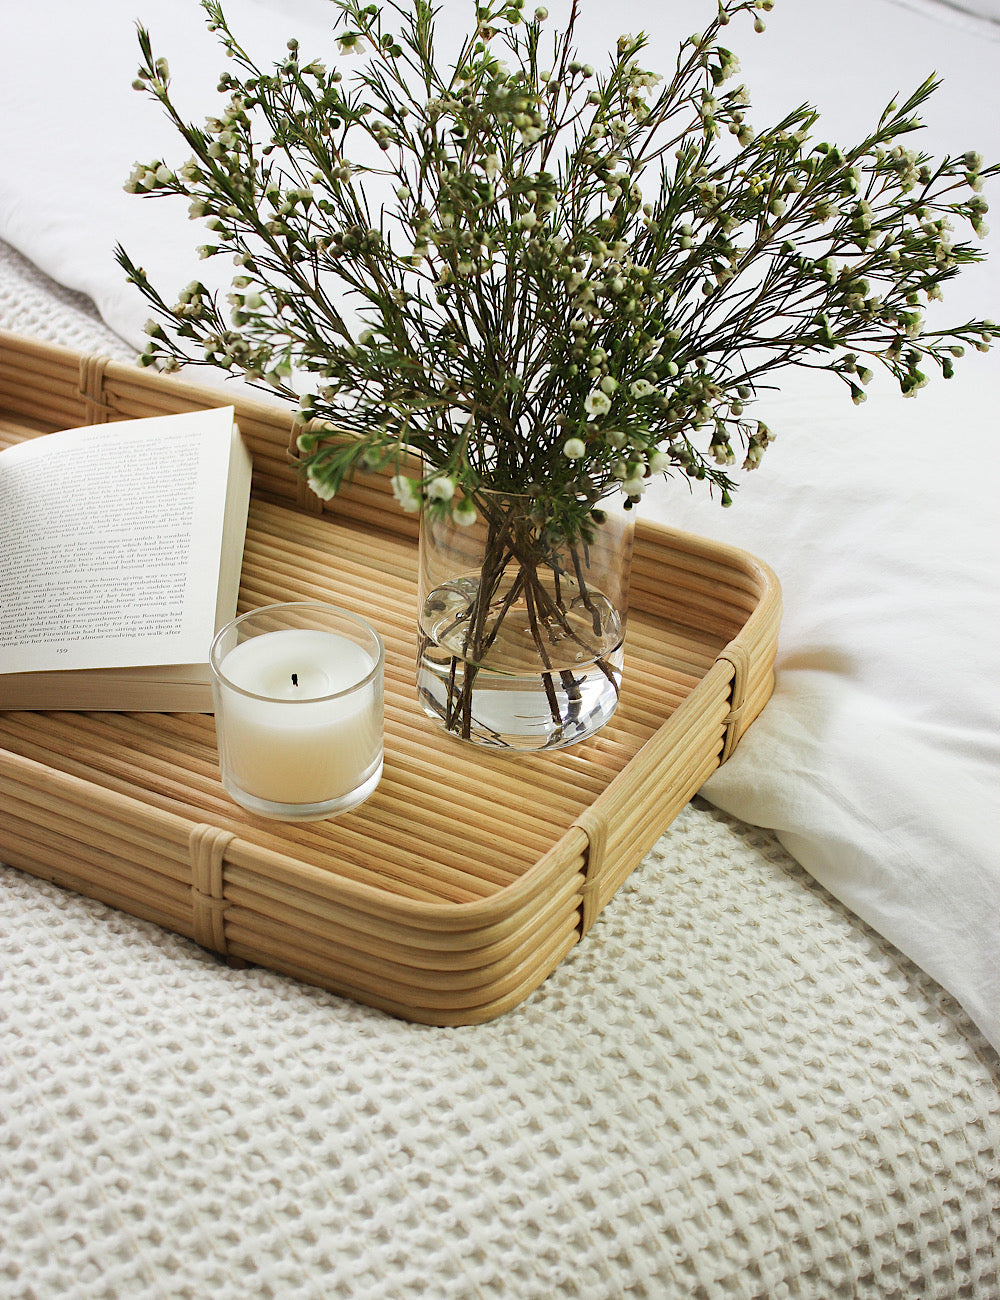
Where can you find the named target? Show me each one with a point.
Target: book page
(110, 540)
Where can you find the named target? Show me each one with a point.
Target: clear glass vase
(520, 634)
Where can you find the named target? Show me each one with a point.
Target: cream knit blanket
(731, 1089)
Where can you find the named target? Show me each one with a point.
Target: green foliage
(532, 318)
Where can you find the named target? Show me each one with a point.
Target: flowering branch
(532, 319)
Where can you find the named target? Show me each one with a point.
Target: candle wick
(295, 679)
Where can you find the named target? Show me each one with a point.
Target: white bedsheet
(878, 760)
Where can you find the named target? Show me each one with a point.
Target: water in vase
(512, 678)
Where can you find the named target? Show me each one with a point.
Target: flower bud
(406, 492)
(441, 488)
(323, 490)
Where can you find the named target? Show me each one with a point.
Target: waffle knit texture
(732, 1088)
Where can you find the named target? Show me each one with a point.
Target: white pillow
(984, 8)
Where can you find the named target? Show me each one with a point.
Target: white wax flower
(441, 488)
(406, 492)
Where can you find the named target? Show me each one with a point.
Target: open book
(121, 547)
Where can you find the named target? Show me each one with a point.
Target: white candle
(286, 734)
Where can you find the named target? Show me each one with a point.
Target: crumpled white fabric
(877, 759)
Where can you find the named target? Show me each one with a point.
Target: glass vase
(520, 633)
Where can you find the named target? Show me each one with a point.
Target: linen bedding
(771, 1068)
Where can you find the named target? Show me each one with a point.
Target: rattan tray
(461, 884)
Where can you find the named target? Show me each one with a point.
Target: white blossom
(441, 488)
(597, 403)
(407, 493)
(323, 490)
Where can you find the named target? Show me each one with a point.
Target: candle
(299, 711)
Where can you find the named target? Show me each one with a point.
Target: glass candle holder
(298, 691)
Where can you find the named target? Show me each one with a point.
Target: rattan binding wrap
(452, 893)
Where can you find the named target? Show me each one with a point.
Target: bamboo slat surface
(450, 894)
